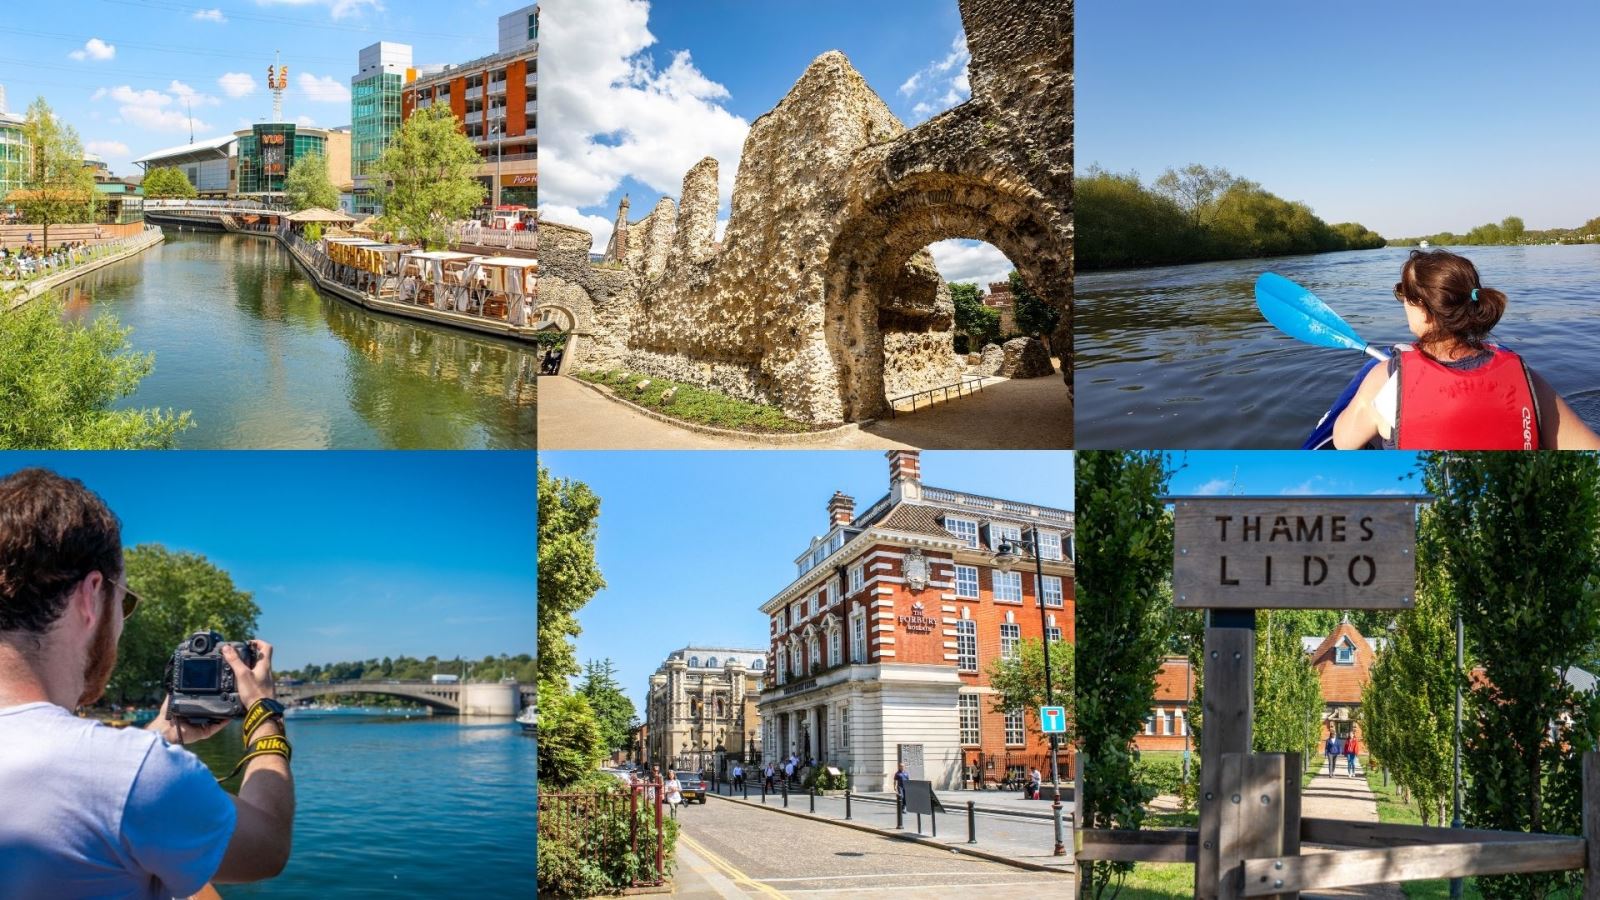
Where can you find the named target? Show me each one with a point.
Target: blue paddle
(1302, 315)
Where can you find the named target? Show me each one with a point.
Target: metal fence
(493, 237)
(620, 829)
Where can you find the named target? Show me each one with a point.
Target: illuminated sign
(272, 139)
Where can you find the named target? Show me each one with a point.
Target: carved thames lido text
(821, 299)
(1297, 552)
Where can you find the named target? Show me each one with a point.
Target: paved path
(727, 849)
(1029, 414)
(1340, 796)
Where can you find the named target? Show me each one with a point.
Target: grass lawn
(1392, 809)
(698, 405)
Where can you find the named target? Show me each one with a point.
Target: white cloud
(153, 110)
(1316, 484)
(305, 121)
(237, 84)
(325, 89)
(609, 113)
(970, 261)
(722, 228)
(209, 15)
(95, 49)
(1214, 486)
(107, 148)
(186, 93)
(942, 83)
(597, 225)
(339, 9)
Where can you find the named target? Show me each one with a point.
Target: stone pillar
(697, 213)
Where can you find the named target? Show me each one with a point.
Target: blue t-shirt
(93, 811)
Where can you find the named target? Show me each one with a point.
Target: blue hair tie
(1474, 295)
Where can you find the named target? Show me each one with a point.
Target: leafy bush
(696, 404)
(565, 872)
(1159, 771)
(823, 780)
(585, 857)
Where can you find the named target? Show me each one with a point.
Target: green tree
(1124, 628)
(1513, 229)
(1034, 316)
(1408, 704)
(183, 593)
(979, 323)
(425, 177)
(612, 708)
(570, 742)
(1195, 189)
(56, 186)
(307, 184)
(1018, 683)
(167, 182)
(1517, 533)
(1288, 693)
(569, 515)
(58, 381)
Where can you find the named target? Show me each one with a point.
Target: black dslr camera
(201, 681)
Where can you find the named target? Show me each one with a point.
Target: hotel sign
(1294, 553)
(918, 622)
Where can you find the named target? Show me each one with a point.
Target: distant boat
(1423, 244)
(526, 719)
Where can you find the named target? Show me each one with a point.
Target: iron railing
(967, 385)
(587, 822)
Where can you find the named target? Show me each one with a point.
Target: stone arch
(872, 268)
(558, 313)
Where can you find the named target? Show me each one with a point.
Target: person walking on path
(673, 792)
(1352, 748)
(900, 779)
(1035, 783)
(738, 776)
(1331, 750)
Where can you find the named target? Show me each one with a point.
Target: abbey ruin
(820, 298)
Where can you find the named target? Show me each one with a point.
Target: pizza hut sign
(918, 622)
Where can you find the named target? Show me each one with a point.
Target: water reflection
(243, 339)
(1179, 356)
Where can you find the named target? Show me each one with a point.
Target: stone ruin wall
(601, 299)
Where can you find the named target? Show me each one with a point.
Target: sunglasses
(130, 600)
(1399, 292)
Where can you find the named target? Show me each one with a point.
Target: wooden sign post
(1235, 555)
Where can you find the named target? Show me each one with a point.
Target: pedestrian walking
(1330, 749)
(1035, 782)
(900, 779)
(1352, 749)
(788, 770)
(738, 776)
(673, 792)
(770, 773)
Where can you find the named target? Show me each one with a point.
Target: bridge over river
(472, 699)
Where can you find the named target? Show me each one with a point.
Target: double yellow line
(726, 867)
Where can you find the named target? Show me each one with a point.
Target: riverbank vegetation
(1508, 231)
(408, 668)
(689, 403)
(307, 185)
(167, 183)
(59, 379)
(1197, 214)
(56, 186)
(426, 178)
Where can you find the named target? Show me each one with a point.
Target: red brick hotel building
(881, 645)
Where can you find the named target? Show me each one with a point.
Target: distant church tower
(617, 247)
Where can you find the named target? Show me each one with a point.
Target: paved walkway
(1340, 796)
(1034, 413)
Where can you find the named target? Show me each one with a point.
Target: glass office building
(384, 70)
(268, 151)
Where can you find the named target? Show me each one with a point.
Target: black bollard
(899, 816)
(933, 821)
(847, 804)
(813, 799)
(763, 791)
(786, 793)
(745, 783)
(972, 824)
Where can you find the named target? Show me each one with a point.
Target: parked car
(693, 786)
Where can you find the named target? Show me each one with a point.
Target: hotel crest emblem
(916, 570)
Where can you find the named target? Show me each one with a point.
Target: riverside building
(13, 151)
(701, 710)
(496, 100)
(383, 71)
(268, 150)
(881, 645)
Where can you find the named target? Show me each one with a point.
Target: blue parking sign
(1053, 719)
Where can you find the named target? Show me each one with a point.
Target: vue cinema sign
(1294, 552)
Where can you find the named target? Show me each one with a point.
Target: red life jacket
(1491, 407)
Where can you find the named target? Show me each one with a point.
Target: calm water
(264, 361)
(389, 807)
(1180, 357)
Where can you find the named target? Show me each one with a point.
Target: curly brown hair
(1447, 286)
(53, 533)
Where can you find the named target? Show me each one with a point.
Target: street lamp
(1010, 553)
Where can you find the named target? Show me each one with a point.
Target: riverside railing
(494, 237)
(621, 829)
(20, 270)
(967, 385)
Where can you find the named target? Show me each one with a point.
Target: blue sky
(119, 70)
(692, 543)
(350, 555)
(1411, 118)
(635, 92)
(1294, 472)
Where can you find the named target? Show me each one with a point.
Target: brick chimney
(905, 475)
(841, 509)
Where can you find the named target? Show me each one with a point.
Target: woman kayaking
(1453, 390)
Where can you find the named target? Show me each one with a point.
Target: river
(1179, 356)
(393, 807)
(244, 341)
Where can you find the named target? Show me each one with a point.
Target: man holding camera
(92, 811)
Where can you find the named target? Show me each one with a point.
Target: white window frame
(794, 659)
(857, 577)
(961, 589)
(1013, 586)
(858, 636)
(814, 652)
(1016, 728)
(844, 724)
(966, 645)
(1049, 544)
(971, 720)
(1344, 652)
(813, 604)
(1010, 640)
(950, 525)
(1169, 721)
(834, 642)
(797, 613)
(833, 592)
(1150, 723)
(1052, 586)
(783, 669)
(999, 533)
(1053, 634)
